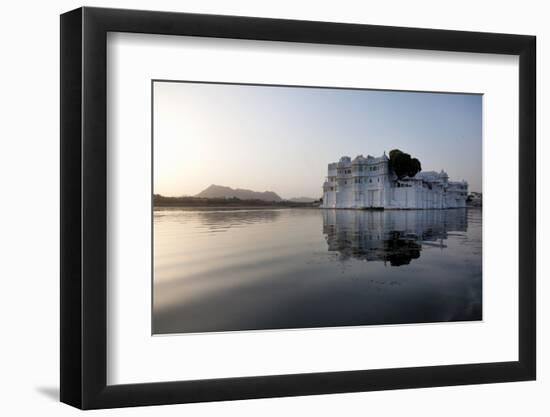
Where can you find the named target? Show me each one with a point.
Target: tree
(403, 165)
(414, 167)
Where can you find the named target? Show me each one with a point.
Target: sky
(281, 139)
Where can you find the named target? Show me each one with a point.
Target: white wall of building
(370, 183)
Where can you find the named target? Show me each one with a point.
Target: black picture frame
(84, 207)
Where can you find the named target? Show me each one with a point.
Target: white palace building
(370, 183)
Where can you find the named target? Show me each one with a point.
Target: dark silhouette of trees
(403, 165)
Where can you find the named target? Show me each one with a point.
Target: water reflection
(229, 270)
(222, 220)
(394, 237)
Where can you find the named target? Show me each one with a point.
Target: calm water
(294, 268)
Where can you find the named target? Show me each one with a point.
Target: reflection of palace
(396, 237)
(370, 182)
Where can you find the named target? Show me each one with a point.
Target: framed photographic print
(257, 207)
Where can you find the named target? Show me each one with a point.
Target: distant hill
(219, 191)
(303, 200)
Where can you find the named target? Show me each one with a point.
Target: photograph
(283, 204)
(292, 207)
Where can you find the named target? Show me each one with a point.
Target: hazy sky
(282, 138)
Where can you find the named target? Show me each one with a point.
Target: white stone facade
(369, 182)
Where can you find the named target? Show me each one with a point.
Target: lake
(228, 270)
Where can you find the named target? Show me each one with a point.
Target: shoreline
(275, 207)
(397, 209)
(220, 208)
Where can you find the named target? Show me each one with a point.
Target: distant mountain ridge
(220, 191)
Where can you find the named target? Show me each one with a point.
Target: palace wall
(370, 183)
